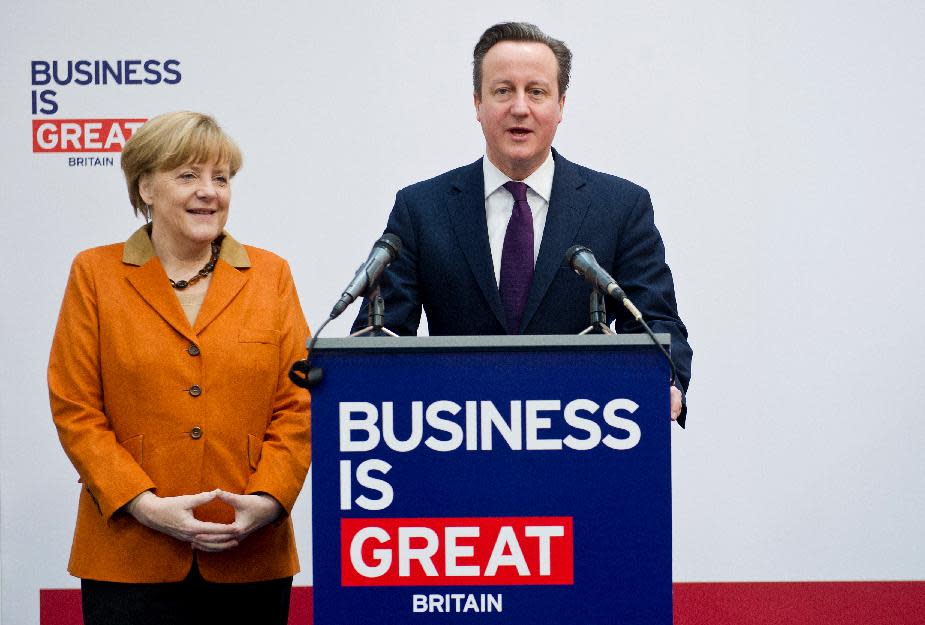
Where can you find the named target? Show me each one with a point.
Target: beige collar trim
(139, 249)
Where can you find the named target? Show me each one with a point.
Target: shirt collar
(540, 181)
(139, 249)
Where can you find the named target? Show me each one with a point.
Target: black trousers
(194, 601)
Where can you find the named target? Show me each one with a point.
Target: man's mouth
(519, 132)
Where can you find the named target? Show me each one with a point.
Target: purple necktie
(517, 258)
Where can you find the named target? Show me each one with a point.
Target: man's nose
(520, 104)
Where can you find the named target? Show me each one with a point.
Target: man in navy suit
(459, 235)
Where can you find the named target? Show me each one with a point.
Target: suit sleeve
(286, 450)
(108, 471)
(641, 270)
(399, 287)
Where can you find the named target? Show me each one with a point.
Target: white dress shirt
(499, 205)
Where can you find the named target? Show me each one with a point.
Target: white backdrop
(782, 143)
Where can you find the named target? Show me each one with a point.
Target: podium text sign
(491, 480)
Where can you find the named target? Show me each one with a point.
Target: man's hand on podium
(675, 403)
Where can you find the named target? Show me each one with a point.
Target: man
(484, 244)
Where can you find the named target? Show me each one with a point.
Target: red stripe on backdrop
(59, 607)
(799, 603)
(732, 603)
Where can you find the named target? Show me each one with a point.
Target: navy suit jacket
(445, 265)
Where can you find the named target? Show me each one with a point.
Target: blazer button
(195, 390)
(192, 350)
(196, 433)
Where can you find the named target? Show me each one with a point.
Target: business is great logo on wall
(81, 138)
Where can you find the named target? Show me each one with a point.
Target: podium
(502, 479)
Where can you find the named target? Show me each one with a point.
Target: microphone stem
(311, 343)
(645, 326)
(633, 310)
(618, 293)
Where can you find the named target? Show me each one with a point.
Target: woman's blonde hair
(170, 140)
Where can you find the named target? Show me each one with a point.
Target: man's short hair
(520, 31)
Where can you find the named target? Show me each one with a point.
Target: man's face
(519, 105)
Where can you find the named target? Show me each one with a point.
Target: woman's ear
(146, 188)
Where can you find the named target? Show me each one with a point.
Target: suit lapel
(151, 283)
(568, 205)
(226, 283)
(466, 208)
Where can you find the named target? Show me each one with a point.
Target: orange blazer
(142, 400)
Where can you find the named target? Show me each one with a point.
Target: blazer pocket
(254, 448)
(257, 335)
(134, 445)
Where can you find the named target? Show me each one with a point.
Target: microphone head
(571, 254)
(390, 243)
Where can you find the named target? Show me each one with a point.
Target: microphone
(384, 251)
(582, 262)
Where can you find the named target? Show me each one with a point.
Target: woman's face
(189, 204)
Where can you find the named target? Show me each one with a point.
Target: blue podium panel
(491, 480)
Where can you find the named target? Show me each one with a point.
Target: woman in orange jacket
(169, 389)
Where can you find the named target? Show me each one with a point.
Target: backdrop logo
(87, 134)
(82, 135)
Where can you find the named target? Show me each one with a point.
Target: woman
(169, 389)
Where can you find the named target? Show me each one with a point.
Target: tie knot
(517, 189)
